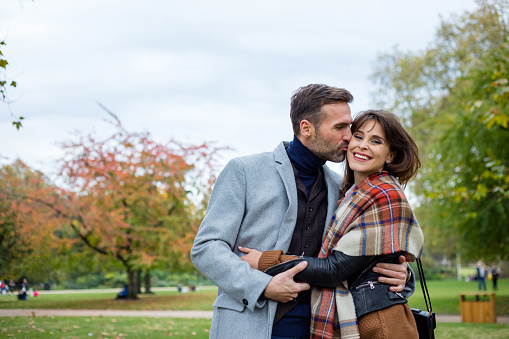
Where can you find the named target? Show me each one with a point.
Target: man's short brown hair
(307, 103)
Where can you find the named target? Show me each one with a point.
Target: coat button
(245, 302)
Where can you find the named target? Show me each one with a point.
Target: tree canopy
(454, 98)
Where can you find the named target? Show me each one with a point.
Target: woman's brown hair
(405, 164)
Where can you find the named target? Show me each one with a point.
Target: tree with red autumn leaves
(131, 198)
(30, 236)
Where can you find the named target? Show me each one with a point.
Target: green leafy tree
(454, 98)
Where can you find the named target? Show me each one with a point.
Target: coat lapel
(285, 170)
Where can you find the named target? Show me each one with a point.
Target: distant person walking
(481, 276)
(494, 275)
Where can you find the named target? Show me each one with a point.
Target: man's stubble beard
(324, 150)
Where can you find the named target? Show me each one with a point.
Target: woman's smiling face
(368, 150)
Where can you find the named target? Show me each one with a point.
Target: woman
(373, 223)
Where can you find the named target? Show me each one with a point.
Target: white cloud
(194, 70)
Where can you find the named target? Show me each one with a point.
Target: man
(481, 276)
(277, 200)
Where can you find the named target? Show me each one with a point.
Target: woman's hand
(251, 257)
(395, 274)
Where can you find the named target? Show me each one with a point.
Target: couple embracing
(296, 250)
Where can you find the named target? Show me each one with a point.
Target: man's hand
(395, 274)
(251, 257)
(283, 288)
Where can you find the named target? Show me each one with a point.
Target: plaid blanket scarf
(375, 219)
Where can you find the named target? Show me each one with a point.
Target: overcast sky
(195, 71)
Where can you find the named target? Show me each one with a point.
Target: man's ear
(307, 129)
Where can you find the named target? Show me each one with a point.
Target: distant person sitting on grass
(22, 295)
(23, 292)
(122, 294)
(3, 287)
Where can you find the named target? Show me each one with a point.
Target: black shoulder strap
(425, 292)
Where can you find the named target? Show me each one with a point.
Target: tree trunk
(147, 282)
(131, 284)
(138, 281)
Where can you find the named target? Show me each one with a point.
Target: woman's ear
(390, 158)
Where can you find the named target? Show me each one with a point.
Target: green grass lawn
(201, 300)
(139, 327)
(103, 327)
(472, 331)
(444, 295)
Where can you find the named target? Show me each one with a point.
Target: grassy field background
(166, 300)
(103, 327)
(444, 296)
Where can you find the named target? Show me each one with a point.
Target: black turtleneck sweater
(307, 164)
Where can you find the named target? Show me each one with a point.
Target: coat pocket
(223, 300)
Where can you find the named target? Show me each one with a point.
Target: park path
(23, 312)
(441, 318)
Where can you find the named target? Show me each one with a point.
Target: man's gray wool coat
(253, 204)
